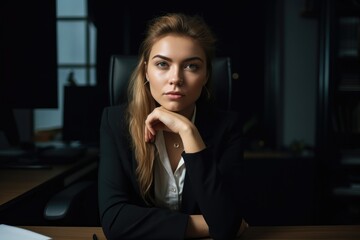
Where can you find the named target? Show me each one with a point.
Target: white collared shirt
(168, 186)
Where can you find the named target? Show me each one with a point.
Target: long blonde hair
(141, 102)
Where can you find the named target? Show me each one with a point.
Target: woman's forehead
(177, 47)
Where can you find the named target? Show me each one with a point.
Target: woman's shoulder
(217, 113)
(113, 115)
(115, 110)
(227, 117)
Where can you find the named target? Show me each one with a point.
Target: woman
(170, 163)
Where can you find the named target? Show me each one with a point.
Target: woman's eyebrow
(169, 59)
(162, 57)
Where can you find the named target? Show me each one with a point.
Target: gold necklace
(171, 137)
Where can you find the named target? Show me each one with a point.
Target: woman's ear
(146, 73)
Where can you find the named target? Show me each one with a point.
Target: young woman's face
(176, 72)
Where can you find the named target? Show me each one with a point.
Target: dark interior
(287, 181)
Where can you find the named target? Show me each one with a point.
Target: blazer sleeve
(215, 175)
(124, 215)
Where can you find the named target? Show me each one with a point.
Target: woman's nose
(176, 78)
(177, 81)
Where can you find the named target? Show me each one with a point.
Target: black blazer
(212, 184)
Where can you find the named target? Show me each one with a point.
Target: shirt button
(173, 189)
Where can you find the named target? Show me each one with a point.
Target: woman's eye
(162, 64)
(192, 67)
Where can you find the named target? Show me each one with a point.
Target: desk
(336, 232)
(69, 233)
(15, 183)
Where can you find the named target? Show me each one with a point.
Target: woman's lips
(174, 95)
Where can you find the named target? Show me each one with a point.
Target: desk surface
(336, 232)
(16, 182)
(345, 232)
(69, 233)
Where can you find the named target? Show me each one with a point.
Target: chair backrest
(121, 67)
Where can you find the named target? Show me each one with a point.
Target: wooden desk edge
(344, 232)
(58, 171)
(68, 232)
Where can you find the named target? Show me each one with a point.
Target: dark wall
(28, 54)
(28, 67)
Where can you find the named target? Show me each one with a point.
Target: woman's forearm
(197, 227)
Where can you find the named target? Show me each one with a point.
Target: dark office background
(279, 55)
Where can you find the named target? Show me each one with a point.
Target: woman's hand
(244, 225)
(163, 119)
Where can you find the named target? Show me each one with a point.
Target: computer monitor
(28, 60)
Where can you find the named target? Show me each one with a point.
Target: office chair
(63, 205)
